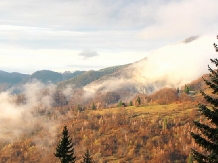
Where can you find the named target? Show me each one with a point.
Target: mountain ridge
(90, 76)
(11, 79)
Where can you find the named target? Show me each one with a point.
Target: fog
(26, 114)
(170, 66)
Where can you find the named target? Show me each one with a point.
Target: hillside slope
(90, 76)
(7, 80)
(156, 133)
(12, 78)
(157, 130)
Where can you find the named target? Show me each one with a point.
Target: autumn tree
(87, 158)
(208, 136)
(65, 150)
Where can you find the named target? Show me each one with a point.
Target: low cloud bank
(26, 114)
(170, 66)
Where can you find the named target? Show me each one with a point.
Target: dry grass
(171, 110)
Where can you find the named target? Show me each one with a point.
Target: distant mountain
(77, 78)
(7, 80)
(12, 78)
(67, 74)
(90, 76)
(46, 76)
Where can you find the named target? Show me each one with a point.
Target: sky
(69, 35)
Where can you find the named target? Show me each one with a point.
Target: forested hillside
(46, 76)
(12, 78)
(154, 133)
(90, 76)
(15, 79)
(156, 129)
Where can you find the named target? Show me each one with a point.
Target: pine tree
(187, 89)
(177, 90)
(120, 103)
(87, 158)
(79, 108)
(130, 103)
(65, 150)
(93, 106)
(208, 137)
(138, 100)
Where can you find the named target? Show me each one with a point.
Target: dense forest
(117, 126)
(155, 130)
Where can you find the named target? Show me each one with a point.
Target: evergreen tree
(177, 90)
(120, 103)
(79, 108)
(87, 158)
(65, 150)
(187, 89)
(93, 106)
(130, 103)
(138, 100)
(208, 136)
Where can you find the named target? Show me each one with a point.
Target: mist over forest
(171, 66)
(108, 81)
(102, 109)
